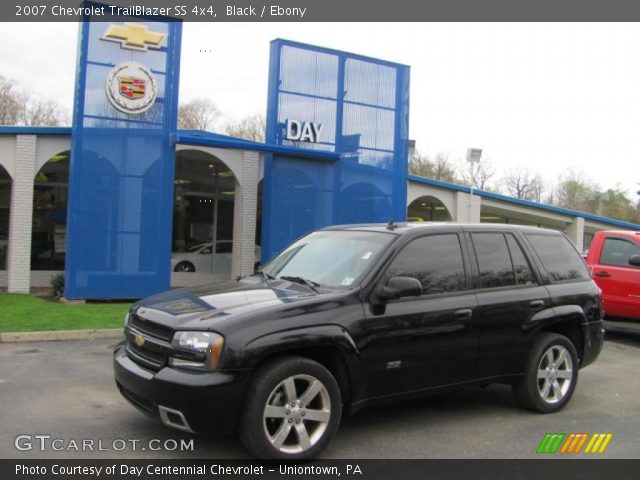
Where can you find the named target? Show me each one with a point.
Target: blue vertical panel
(122, 161)
(363, 104)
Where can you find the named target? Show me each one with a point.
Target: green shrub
(57, 285)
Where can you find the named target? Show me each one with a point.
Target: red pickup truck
(614, 261)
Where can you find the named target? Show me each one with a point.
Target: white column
(467, 208)
(575, 231)
(21, 215)
(244, 217)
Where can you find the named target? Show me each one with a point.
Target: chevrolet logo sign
(138, 340)
(134, 36)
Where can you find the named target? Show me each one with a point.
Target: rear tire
(551, 374)
(292, 411)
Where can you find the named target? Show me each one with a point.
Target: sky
(550, 97)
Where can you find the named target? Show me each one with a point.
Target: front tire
(184, 267)
(551, 374)
(292, 411)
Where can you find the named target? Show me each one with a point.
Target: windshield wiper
(265, 276)
(303, 281)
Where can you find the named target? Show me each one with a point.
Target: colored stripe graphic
(598, 443)
(573, 443)
(551, 442)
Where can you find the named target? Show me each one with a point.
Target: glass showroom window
(204, 196)
(49, 230)
(5, 203)
(428, 209)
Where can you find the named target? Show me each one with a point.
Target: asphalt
(66, 390)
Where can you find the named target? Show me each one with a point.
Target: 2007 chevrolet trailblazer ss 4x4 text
(354, 315)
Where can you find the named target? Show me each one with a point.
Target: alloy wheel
(297, 414)
(555, 374)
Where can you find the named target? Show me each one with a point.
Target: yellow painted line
(590, 444)
(605, 443)
(598, 442)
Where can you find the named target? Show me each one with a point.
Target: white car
(198, 258)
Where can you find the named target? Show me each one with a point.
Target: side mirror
(634, 260)
(399, 287)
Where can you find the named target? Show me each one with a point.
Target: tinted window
(435, 260)
(617, 252)
(524, 274)
(559, 257)
(494, 260)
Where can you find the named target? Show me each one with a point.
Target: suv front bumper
(208, 402)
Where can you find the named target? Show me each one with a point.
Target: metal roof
(525, 203)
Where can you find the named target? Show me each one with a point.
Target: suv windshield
(332, 258)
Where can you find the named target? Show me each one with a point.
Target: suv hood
(201, 308)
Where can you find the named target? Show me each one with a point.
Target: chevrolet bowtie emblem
(138, 340)
(134, 36)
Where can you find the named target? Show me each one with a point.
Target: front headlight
(196, 350)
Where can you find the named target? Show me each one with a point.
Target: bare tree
(443, 169)
(252, 128)
(198, 114)
(21, 107)
(476, 174)
(438, 168)
(522, 183)
(9, 103)
(39, 111)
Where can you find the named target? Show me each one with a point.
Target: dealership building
(109, 200)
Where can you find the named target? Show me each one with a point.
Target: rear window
(559, 257)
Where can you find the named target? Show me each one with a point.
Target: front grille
(151, 329)
(145, 349)
(145, 358)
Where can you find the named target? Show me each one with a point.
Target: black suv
(354, 315)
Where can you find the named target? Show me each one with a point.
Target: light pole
(473, 156)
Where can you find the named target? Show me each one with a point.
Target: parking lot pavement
(66, 390)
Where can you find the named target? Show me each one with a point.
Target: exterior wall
(244, 217)
(467, 208)
(21, 215)
(575, 231)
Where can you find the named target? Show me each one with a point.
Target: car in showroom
(351, 316)
(198, 257)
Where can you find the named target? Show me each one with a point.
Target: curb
(16, 337)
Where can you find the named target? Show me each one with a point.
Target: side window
(559, 257)
(524, 274)
(435, 260)
(494, 260)
(617, 251)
